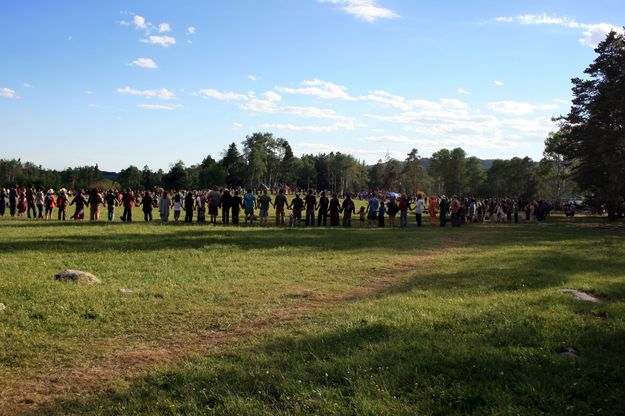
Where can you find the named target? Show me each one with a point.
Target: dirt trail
(130, 360)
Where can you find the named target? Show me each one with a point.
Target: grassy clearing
(472, 330)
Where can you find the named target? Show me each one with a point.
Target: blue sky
(152, 82)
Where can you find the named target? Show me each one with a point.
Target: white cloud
(314, 112)
(164, 40)
(272, 96)
(191, 30)
(169, 107)
(596, 33)
(163, 94)
(222, 96)
(519, 108)
(321, 89)
(462, 91)
(252, 77)
(498, 83)
(367, 10)
(237, 126)
(8, 93)
(144, 63)
(387, 100)
(309, 128)
(88, 92)
(593, 33)
(139, 22)
(164, 27)
(27, 85)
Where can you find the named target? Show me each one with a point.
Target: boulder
(581, 296)
(77, 276)
(126, 291)
(2, 307)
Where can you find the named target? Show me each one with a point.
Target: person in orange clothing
(433, 208)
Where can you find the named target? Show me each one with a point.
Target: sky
(151, 82)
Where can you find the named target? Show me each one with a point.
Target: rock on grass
(2, 307)
(77, 276)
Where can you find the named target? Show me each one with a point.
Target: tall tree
(414, 178)
(593, 132)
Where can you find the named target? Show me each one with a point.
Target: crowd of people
(309, 208)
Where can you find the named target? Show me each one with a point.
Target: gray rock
(581, 296)
(568, 352)
(126, 291)
(2, 307)
(77, 276)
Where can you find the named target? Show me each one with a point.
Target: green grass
(472, 324)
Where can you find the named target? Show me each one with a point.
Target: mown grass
(473, 330)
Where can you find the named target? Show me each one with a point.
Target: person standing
(311, 206)
(226, 205)
(280, 203)
(322, 216)
(49, 203)
(392, 208)
(111, 202)
(237, 204)
(443, 207)
(200, 205)
(214, 202)
(433, 208)
(372, 210)
(348, 208)
(335, 209)
(147, 203)
(419, 208)
(177, 205)
(164, 206)
(95, 200)
(30, 201)
(189, 204)
(263, 204)
(80, 202)
(39, 202)
(22, 203)
(13, 197)
(62, 203)
(297, 204)
(249, 201)
(404, 206)
(3, 201)
(128, 201)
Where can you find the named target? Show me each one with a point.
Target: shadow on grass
(375, 368)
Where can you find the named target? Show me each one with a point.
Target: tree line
(265, 161)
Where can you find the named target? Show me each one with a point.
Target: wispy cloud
(309, 128)
(462, 91)
(165, 107)
(191, 30)
(320, 89)
(164, 40)
(498, 83)
(222, 96)
(163, 93)
(593, 33)
(27, 85)
(144, 63)
(252, 77)
(8, 93)
(164, 27)
(367, 10)
(518, 108)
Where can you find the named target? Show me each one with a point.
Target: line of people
(311, 209)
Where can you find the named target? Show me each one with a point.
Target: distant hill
(110, 175)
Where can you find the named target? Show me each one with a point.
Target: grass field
(255, 320)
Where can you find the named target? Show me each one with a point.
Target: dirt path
(36, 391)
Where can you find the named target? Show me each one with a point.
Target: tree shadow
(377, 368)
